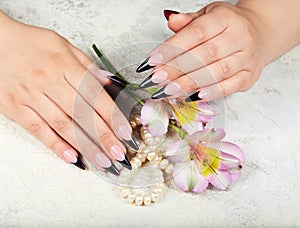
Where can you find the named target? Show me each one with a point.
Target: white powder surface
(39, 190)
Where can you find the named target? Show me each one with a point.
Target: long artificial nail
(204, 94)
(193, 97)
(126, 134)
(168, 13)
(126, 163)
(132, 143)
(113, 169)
(79, 164)
(150, 62)
(117, 79)
(171, 89)
(70, 156)
(156, 78)
(103, 161)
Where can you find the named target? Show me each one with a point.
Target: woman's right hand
(54, 91)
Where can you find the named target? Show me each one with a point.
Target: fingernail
(79, 164)
(126, 163)
(193, 97)
(117, 152)
(171, 89)
(150, 62)
(125, 133)
(70, 156)
(204, 94)
(102, 160)
(156, 78)
(117, 79)
(113, 169)
(168, 13)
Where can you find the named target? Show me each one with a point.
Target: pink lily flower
(202, 159)
(191, 115)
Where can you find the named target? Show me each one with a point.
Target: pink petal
(228, 162)
(193, 127)
(188, 178)
(178, 152)
(155, 115)
(229, 148)
(210, 135)
(235, 174)
(221, 179)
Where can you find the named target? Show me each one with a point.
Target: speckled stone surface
(39, 190)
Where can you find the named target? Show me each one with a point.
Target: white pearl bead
(139, 200)
(147, 200)
(158, 190)
(163, 164)
(157, 159)
(137, 120)
(151, 155)
(169, 168)
(137, 161)
(133, 123)
(124, 193)
(142, 157)
(131, 197)
(154, 197)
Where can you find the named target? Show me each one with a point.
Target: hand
(53, 90)
(217, 50)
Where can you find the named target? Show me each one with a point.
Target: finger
(85, 62)
(239, 82)
(213, 73)
(86, 117)
(177, 22)
(197, 32)
(95, 95)
(33, 123)
(69, 130)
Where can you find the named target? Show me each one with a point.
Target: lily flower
(202, 159)
(192, 116)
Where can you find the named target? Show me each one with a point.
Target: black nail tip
(132, 143)
(193, 97)
(160, 94)
(144, 66)
(117, 80)
(79, 164)
(126, 163)
(147, 82)
(113, 169)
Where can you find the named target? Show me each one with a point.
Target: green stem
(106, 63)
(182, 134)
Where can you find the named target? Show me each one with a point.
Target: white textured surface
(37, 189)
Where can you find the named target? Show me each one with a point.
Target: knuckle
(225, 69)
(104, 138)
(58, 58)
(54, 146)
(35, 129)
(198, 30)
(210, 51)
(61, 124)
(78, 111)
(243, 83)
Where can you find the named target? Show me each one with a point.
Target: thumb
(177, 21)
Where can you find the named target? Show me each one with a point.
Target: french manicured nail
(116, 79)
(126, 134)
(103, 161)
(113, 169)
(204, 94)
(150, 62)
(79, 164)
(193, 97)
(118, 152)
(156, 78)
(70, 156)
(171, 89)
(126, 163)
(168, 13)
